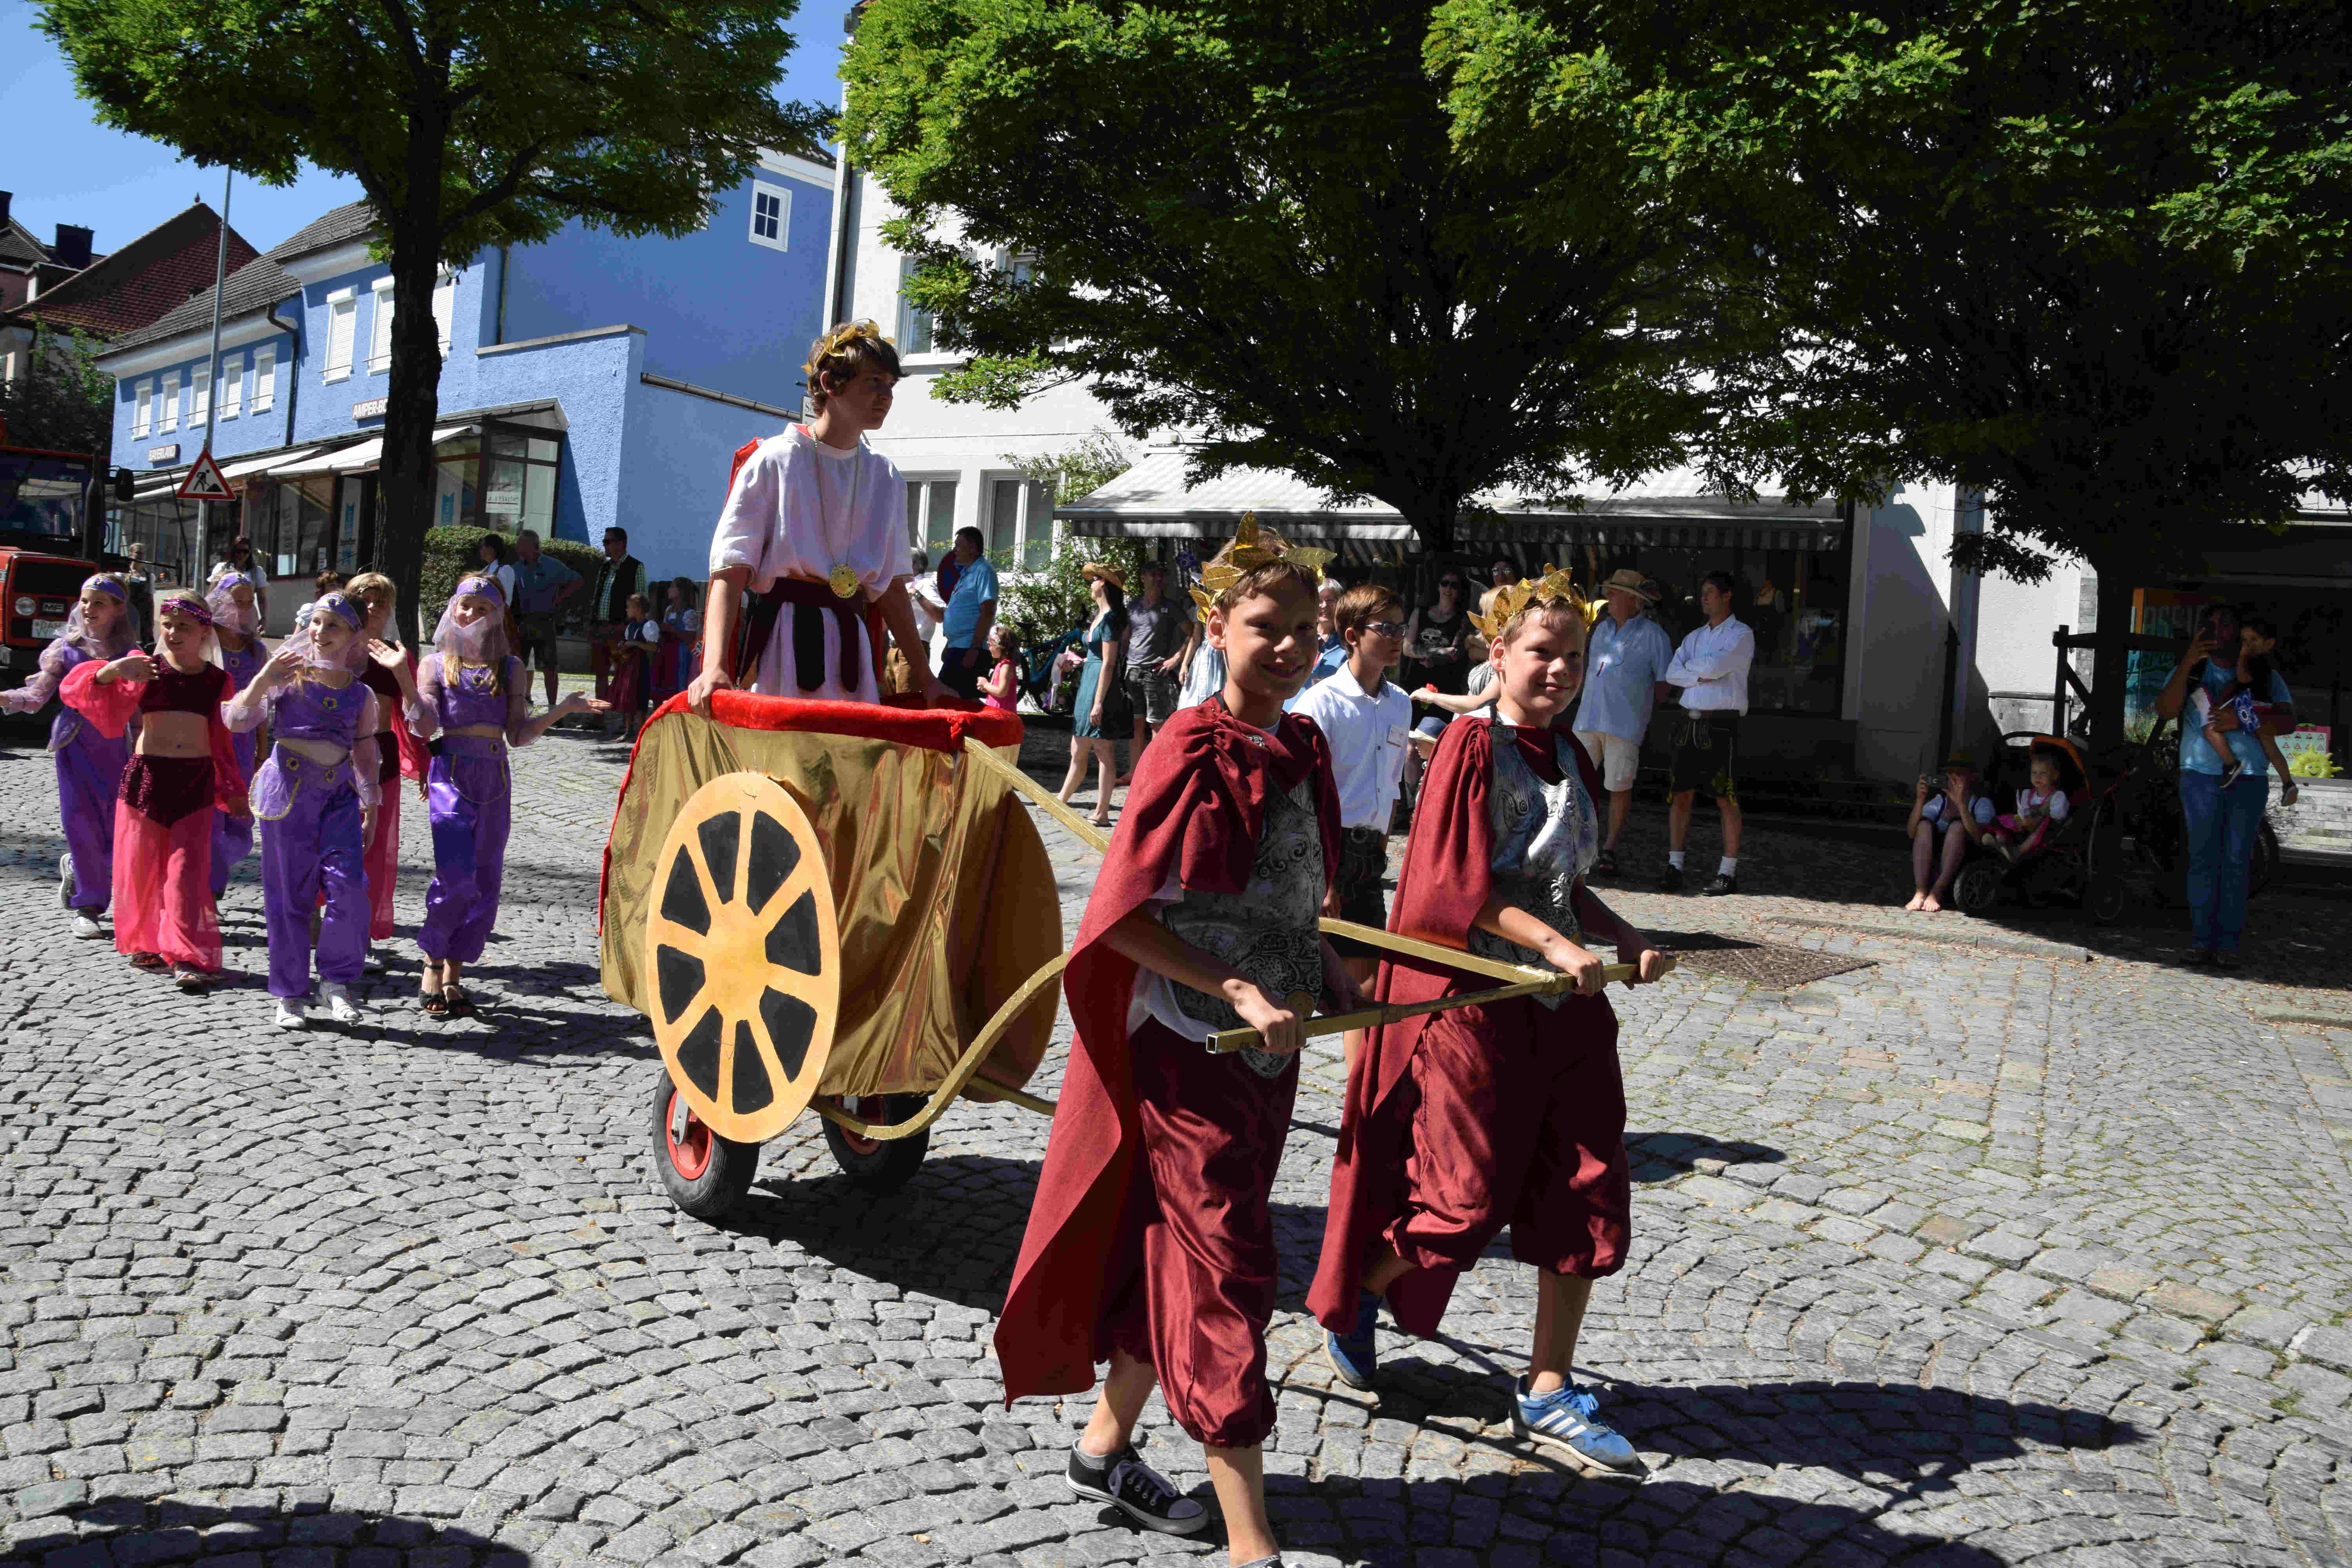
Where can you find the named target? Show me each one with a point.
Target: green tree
(1042, 605)
(62, 402)
(1247, 220)
(468, 123)
(2091, 258)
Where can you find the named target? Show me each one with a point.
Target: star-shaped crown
(1552, 588)
(1245, 555)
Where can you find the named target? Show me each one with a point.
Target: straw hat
(1628, 581)
(1107, 572)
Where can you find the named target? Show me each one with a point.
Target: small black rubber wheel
(2107, 899)
(1977, 888)
(874, 1165)
(703, 1174)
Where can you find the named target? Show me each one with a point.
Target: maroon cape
(1447, 881)
(1196, 809)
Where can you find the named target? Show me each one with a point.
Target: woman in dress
(89, 765)
(1096, 715)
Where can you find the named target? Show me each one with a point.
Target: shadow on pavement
(129, 1531)
(1659, 1156)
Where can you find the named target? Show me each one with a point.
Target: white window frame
(200, 392)
(918, 519)
(232, 385)
(444, 306)
(264, 378)
(342, 307)
(142, 406)
(782, 217)
(908, 315)
(379, 360)
(167, 412)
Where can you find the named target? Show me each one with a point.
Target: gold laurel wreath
(839, 339)
(1552, 588)
(1245, 555)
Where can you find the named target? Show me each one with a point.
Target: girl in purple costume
(89, 766)
(236, 622)
(316, 797)
(473, 698)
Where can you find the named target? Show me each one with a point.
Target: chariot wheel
(745, 954)
(703, 1174)
(1977, 888)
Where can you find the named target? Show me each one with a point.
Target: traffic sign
(205, 482)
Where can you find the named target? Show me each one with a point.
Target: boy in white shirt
(1367, 721)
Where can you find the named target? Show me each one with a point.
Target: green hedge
(450, 554)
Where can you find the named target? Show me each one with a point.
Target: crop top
(173, 692)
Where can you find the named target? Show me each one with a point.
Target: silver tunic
(1268, 930)
(1546, 836)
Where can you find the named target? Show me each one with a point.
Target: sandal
(1605, 863)
(149, 961)
(434, 1004)
(454, 998)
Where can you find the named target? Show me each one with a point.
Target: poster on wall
(502, 497)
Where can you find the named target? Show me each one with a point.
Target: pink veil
(355, 653)
(227, 611)
(117, 640)
(484, 642)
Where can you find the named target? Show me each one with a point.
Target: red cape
(1447, 881)
(1195, 810)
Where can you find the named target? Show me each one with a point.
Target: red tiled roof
(139, 282)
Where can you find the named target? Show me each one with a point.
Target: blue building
(586, 382)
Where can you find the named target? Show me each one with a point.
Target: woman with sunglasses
(1437, 640)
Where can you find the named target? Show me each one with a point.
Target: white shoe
(87, 928)
(65, 882)
(290, 1013)
(337, 998)
(374, 962)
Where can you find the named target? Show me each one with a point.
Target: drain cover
(1769, 963)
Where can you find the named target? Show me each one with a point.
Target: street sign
(205, 480)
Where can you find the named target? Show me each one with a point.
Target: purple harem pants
(310, 843)
(470, 800)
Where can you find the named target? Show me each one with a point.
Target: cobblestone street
(2009, 1244)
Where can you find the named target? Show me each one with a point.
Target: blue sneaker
(1355, 1358)
(1567, 1419)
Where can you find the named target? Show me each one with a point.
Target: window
(379, 331)
(200, 392)
(142, 407)
(1793, 600)
(930, 516)
(1021, 522)
(342, 320)
(167, 417)
(772, 213)
(232, 385)
(445, 305)
(519, 481)
(914, 322)
(265, 379)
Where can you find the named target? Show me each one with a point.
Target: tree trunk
(412, 400)
(2110, 659)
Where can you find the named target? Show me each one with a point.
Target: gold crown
(840, 338)
(1245, 555)
(1552, 588)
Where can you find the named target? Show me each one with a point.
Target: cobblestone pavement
(1986, 1251)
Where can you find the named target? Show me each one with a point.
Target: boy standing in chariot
(1460, 1122)
(815, 523)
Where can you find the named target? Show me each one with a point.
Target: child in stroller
(2041, 804)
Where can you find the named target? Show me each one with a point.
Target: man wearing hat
(1624, 668)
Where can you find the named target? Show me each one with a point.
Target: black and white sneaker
(1136, 1489)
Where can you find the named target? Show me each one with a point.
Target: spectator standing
(1711, 668)
(139, 588)
(491, 560)
(541, 585)
(621, 578)
(1366, 720)
(970, 612)
(1502, 574)
(1161, 637)
(2222, 822)
(1437, 640)
(239, 558)
(1625, 672)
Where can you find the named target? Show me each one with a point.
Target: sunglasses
(1449, 582)
(1385, 628)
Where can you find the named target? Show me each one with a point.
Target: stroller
(2078, 862)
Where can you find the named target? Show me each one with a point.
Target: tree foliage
(2089, 256)
(62, 402)
(468, 123)
(1249, 221)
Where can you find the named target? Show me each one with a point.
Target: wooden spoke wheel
(745, 954)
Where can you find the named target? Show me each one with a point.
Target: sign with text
(168, 453)
(371, 409)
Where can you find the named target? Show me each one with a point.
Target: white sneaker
(86, 928)
(337, 998)
(374, 962)
(290, 1013)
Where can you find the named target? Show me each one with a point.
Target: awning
(249, 468)
(364, 457)
(1670, 509)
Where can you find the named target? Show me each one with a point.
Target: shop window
(771, 210)
(1794, 601)
(518, 482)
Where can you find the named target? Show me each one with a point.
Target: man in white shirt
(1625, 667)
(1366, 719)
(1711, 668)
